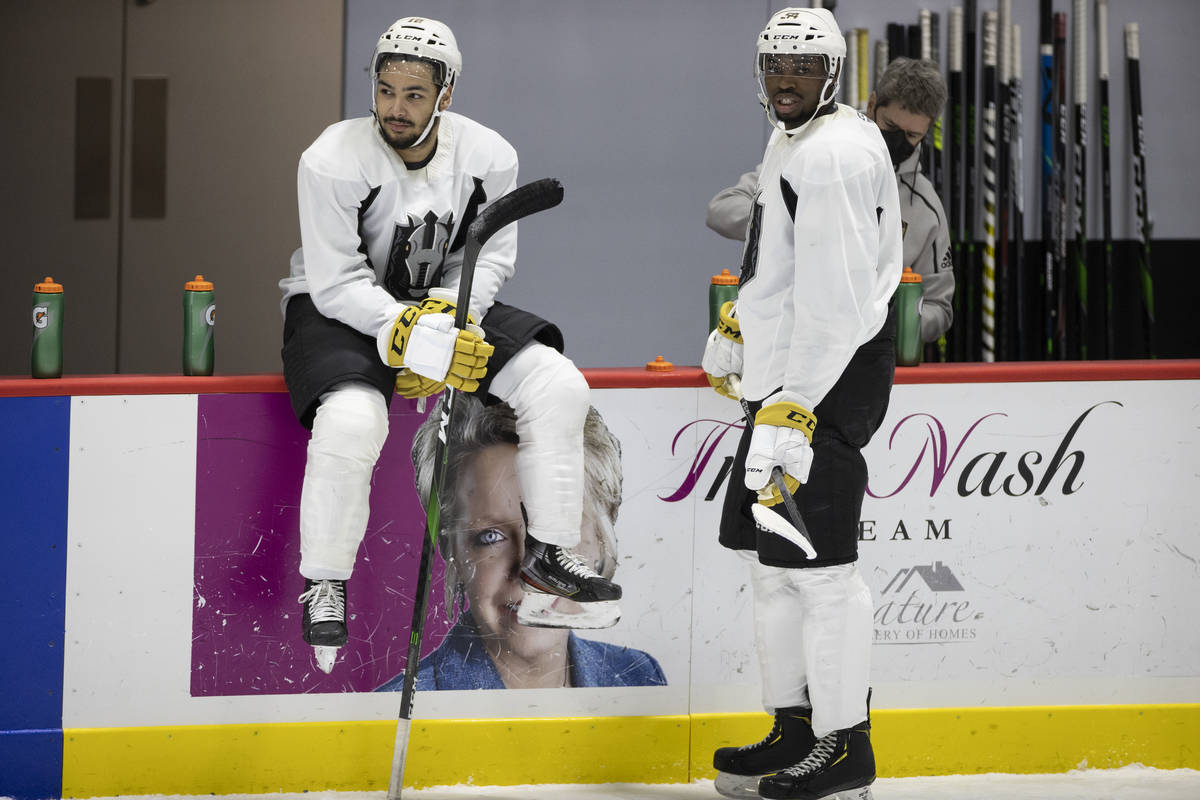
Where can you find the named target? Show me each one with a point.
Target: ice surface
(1127, 783)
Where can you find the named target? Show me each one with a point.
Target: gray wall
(646, 108)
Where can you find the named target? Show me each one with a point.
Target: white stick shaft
(1016, 53)
(1102, 36)
(1079, 66)
(1133, 50)
(926, 22)
(956, 39)
(1004, 34)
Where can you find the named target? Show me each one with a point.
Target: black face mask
(898, 145)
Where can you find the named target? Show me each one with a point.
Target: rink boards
(1029, 538)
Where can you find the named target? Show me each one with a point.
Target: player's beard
(401, 141)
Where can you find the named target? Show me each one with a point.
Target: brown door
(234, 92)
(60, 85)
(205, 124)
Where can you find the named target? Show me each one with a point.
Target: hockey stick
(1066, 308)
(803, 541)
(520, 202)
(937, 163)
(970, 288)
(1106, 264)
(1046, 74)
(1020, 315)
(1079, 185)
(897, 39)
(1145, 277)
(957, 233)
(1004, 184)
(987, 331)
(925, 23)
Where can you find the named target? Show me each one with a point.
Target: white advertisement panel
(1025, 544)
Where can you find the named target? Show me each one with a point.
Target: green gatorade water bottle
(199, 315)
(722, 289)
(909, 295)
(47, 356)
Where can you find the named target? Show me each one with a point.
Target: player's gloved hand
(423, 339)
(723, 352)
(411, 386)
(782, 437)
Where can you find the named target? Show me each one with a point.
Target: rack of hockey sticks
(1043, 298)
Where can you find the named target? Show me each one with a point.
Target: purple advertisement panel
(250, 459)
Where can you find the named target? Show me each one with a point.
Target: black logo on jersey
(419, 248)
(418, 251)
(750, 252)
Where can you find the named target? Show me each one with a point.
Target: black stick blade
(520, 202)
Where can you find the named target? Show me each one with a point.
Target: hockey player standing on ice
(385, 202)
(812, 336)
(909, 96)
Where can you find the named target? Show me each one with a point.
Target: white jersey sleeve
(332, 266)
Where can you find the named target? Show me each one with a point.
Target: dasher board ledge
(624, 378)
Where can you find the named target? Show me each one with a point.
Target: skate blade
(738, 787)
(541, 610)
(863, 793)
(326, 657)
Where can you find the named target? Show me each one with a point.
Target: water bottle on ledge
(199, 315)
(47, 355)
(909, 295)
(722, 289)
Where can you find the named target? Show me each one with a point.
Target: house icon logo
(937, 578)
(925, 604)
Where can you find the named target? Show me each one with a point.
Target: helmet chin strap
(437, 112)
(828, 92)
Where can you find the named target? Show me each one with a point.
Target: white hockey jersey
(822, 257)
(376, 235)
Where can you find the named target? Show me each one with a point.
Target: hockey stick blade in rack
(520, 202)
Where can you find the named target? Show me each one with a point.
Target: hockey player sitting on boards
(368, 306)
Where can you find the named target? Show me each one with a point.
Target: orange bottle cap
(659, 364)
(48, 286)
(725, 279)
(909, 276)
(198, 285)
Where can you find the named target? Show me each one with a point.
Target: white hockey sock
(348, 432)
(813, 630)
(550, 399)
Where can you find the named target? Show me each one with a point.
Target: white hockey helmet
(801, 31)
(420, 38)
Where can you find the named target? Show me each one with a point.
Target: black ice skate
(790, 740)
(324, 622)
(552, 574)
(841, 764)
